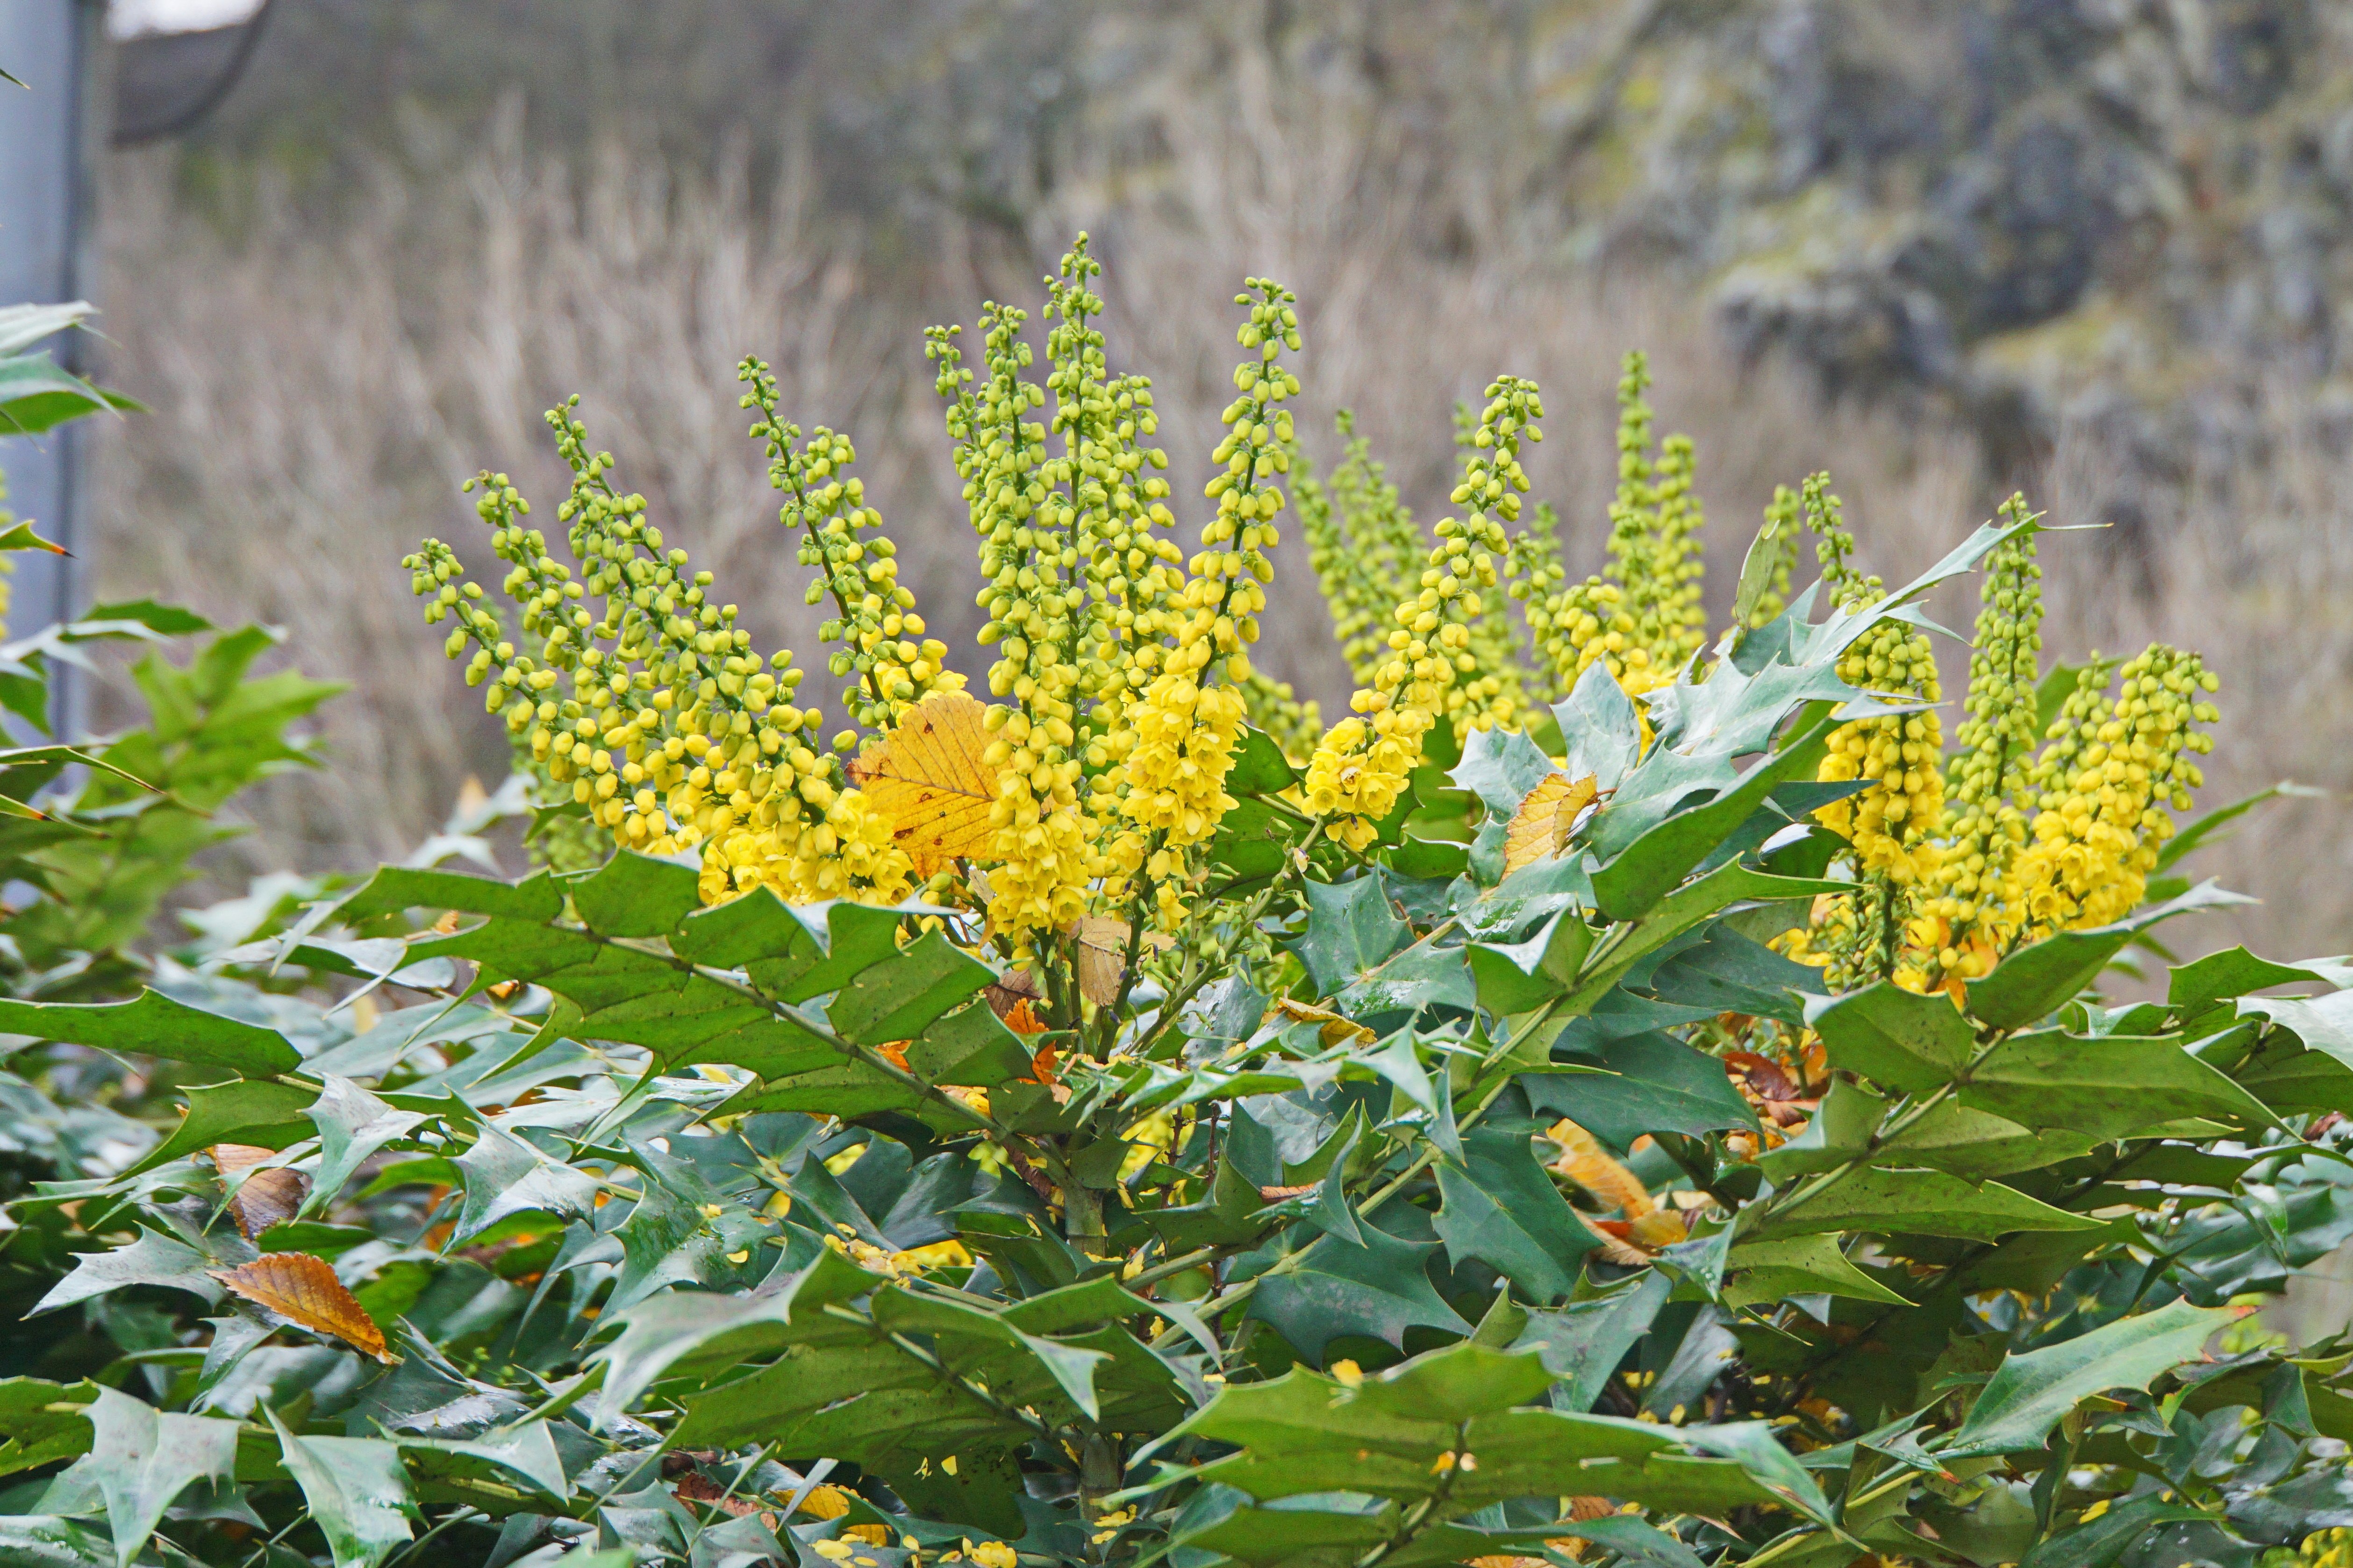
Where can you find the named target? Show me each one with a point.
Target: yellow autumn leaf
(1103, 942)
(926, 779)
(1585, 1162)
(1335, 1028)
(1540, 828)
(304, 1291)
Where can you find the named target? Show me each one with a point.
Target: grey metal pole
(50, 131)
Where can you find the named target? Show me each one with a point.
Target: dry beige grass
(320, 390)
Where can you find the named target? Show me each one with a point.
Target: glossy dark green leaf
(394, 889)
(2104, 1088)
(2031, 983)
(1647, 869)
(2030, 1392)
(1926, 1203)
(1660, 1085)
(2235, 972)
(157, 1025)
(260, 1112)
(45, 1540)
(1910, 1043)
(1330, 1288)
(895, 1000)
(637, 895)
(1582, 1342)
(1258, 766)
(2096, 1542)
(1501, 1208)
(1765, 1271)
(1351, 929)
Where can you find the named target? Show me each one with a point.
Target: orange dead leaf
(1276, 1195)
(1042, 1066)
(1540, 828)
(928, 781)
(894, 1052)
(1336, 1027)
(1585, 1163)
(1103, 942)
(1022, 1018)
(304, 1291)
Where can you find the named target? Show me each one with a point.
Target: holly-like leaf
(2029, 1391)
(352, 1124)
(252, 1110)
(1503, 1210)
(1378, 1289)
(1351, 930)
(929, 778)
(2031, 983)
(2105, 1088)
(304, 1291)
(1923, 1203)
(1910, 1043)
(1660, 1085)
(158, 1026)
(152, 1259)
(1800, 1265)
(505, 1175)
(141, 1461)
(357, 1491)
(1539, 829)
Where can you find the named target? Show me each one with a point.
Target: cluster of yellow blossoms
(675, 734)
(1122, 683)
(1169, 780)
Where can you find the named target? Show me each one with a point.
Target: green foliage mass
(647, 1229)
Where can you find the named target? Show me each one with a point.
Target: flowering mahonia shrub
(1620, 1094)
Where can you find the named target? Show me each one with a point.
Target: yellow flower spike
(1890, 825)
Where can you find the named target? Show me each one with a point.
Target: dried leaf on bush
(1335, 1029)
(1103, 942)
(263, 1199)
(1540, 828)
(304, 1291)
(928, 781)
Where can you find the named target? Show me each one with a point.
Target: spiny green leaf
(1350, 930)
(1924, 1203)
(635, 895)
(1912, 1044)
(1330, 1288)
(2104, 1089)
(357, 1491)
(141, 1461)
(1502, 1209)
(262, 1112)
(152, 1259)
(2029, 1391)
(2031, 983)
(154, 1024)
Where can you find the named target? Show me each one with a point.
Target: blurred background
(348, 250)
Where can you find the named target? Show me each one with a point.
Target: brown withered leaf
(927, 779)
(304, 1291)
(1103, 942)
(1540, 828)
(695, 1487)
(1585, 1163)
(265, 1197)
(1009, 991)
(1335, 1028)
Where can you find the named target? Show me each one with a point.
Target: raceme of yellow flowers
(1123, 684)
